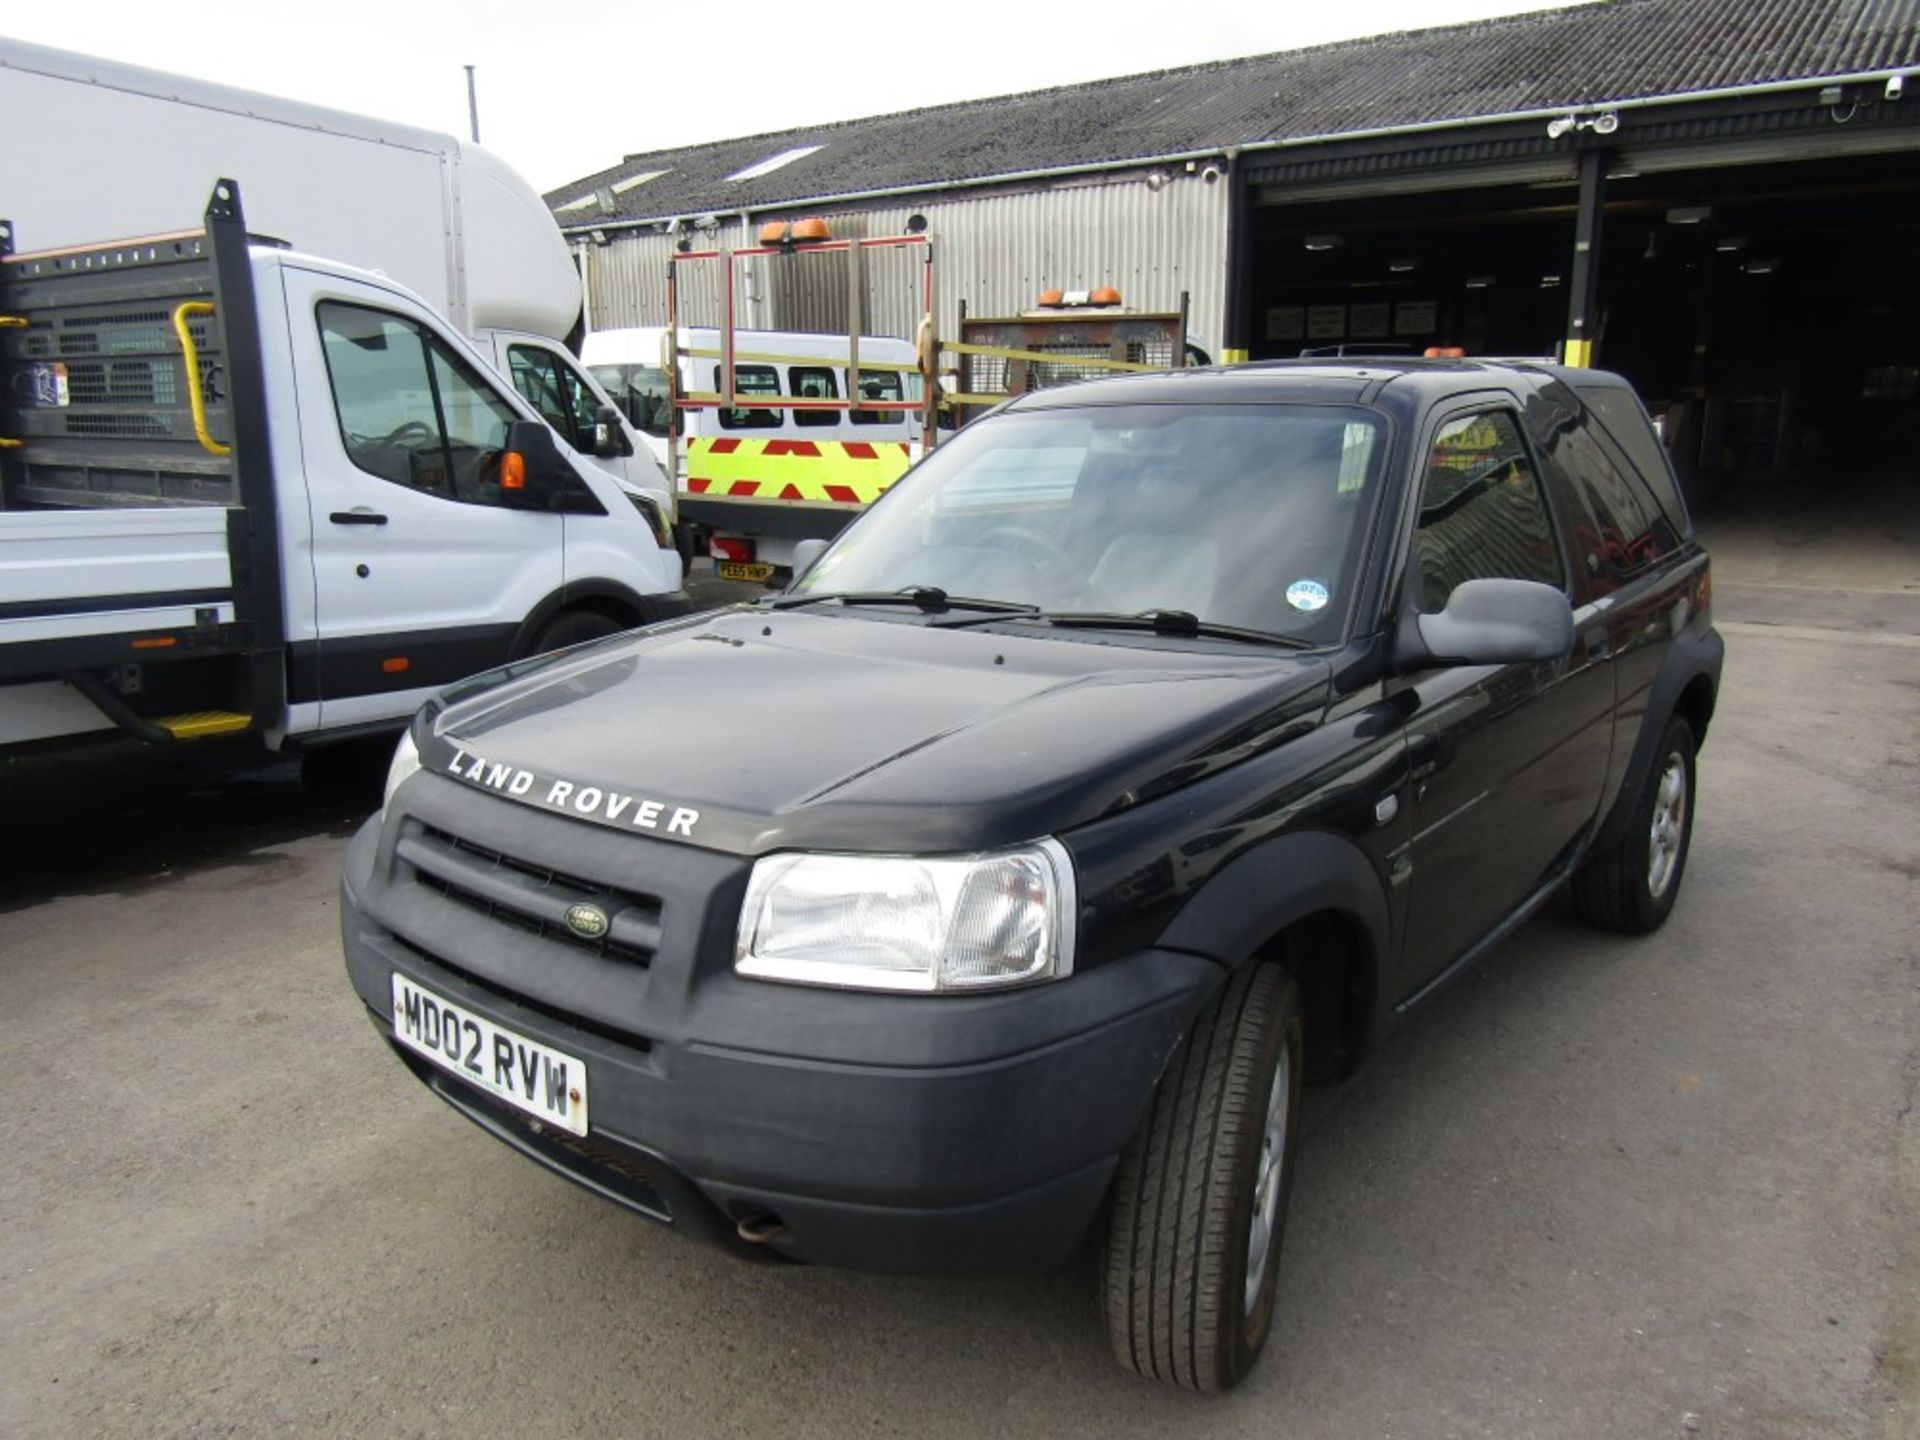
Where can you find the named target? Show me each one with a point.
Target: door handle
(357, 517)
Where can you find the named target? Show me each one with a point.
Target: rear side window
(1620, 415)
(748, 380)
(1620, 533)
(410, 410)
(814, 382)
(1482, 514)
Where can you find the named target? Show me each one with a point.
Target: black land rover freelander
(1152, 748)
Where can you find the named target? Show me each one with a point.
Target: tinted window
(748, 380)
(1482, 515)
(410, 410)
(1620, 415)
(1616, 529)
(814, 382)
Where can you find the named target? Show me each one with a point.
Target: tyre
(1631, 885)
(1200, 1199)
(573, 627)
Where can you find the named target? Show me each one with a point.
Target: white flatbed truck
(248, 489)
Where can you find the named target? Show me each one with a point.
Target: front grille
(533, 897)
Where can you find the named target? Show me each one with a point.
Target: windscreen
(1246, 515)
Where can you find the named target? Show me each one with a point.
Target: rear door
(422, 572)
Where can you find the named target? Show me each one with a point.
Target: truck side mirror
(1489, 622)
(531, 471)
(609, 435)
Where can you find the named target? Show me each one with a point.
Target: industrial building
(1720, 199)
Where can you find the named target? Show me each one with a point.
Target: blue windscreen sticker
(1308, 595)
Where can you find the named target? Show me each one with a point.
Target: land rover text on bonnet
(1151, 749)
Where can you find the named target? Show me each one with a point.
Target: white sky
(568, 89)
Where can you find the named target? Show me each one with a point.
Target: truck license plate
(744, 570)
(546, 1083)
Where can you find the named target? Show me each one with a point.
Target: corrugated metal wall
(995, 251)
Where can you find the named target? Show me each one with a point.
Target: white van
(755, 482)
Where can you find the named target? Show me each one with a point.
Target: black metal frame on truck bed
(122, 366)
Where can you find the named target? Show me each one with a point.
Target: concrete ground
(1603, 1187)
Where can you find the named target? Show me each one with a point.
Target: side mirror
(531, 470)
(805, 554)
(1489, 622)
(609, 435)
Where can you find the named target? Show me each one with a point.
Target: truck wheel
(1200, 1199)
(573, 627)
(1631, 885)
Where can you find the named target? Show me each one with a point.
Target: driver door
(422, 572)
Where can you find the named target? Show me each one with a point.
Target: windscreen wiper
(930, 598)
(1181, 623)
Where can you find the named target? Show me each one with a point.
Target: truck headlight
(883, 922)
(656, 521)
(406, 760)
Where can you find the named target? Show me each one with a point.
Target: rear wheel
(1200, 1199)
(1632, 884)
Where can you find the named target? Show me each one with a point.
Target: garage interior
(1768, 311)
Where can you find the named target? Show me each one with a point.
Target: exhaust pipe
(761, 1229)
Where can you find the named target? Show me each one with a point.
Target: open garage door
(1767, 308)
(1773, 311)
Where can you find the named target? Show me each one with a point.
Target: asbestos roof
(1610, 50)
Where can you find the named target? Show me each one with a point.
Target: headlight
(656, 522)
(406, 760)
(876, 922)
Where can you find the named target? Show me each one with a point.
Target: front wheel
(1200, 1199)
(573, 627)
(1631, 885)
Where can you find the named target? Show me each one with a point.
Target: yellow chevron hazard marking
(843, 472)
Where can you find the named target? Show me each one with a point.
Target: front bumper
(907, 1133)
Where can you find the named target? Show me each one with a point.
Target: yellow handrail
(194, 393)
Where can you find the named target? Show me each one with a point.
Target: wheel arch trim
(581, 595)
(1275, 886)
(1691, 662)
